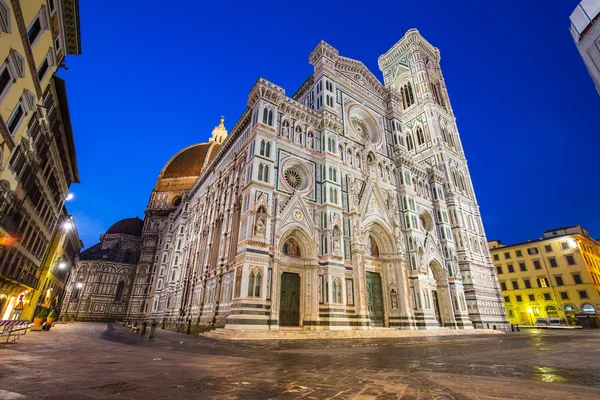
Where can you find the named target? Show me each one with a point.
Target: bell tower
(429, 136)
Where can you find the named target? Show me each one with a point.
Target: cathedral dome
(127, 226)
(181, 171)
(188, 162)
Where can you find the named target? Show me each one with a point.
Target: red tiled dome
(127, 226)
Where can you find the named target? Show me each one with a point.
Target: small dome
(127, 226)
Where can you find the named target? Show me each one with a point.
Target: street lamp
(529, 311)
(78, 285)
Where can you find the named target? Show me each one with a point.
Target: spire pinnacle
(219, 133)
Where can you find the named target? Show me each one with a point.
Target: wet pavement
(96, 360)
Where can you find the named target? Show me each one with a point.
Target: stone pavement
(96, 360)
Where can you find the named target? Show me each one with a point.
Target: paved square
(96, 360)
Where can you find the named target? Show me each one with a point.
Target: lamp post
(529, 314)
(78, 285)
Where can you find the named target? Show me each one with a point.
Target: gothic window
(420, 137)
(120, 291)
(409, 142)
(265, 116)
(407, 95)
(260, 172)
(268, 150)
(291, 248)
(262, 147)
(337, 291)
(254, 284)
(270, 121)
(238, 282)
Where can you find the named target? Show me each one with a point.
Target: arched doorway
(441, 302)
(374, 285)
(296, 273)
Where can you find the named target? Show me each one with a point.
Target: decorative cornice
(304, 87)
(323, 49)
(344, 64)
(265, 90)
(71, 28)
(412, 37)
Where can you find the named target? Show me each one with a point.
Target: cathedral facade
(348, 205)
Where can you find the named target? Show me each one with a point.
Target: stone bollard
(152, 328)
(143, 328)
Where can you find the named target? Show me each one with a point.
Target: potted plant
(65, 317)
(51, 317)
(39, 319)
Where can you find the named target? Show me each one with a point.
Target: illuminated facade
(345, 206)
(37, 153)
(555, 276)
(107, 284)
(61, 257)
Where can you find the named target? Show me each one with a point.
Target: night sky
(154, 78)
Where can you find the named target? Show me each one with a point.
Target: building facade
(585, 30)
(345, 206)
(107, 283)
(37, 153)
(61, 257)
(556, 276)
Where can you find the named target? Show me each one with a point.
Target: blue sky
(154, 78)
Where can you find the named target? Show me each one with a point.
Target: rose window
(293, 178)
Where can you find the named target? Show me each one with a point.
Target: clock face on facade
(298, 216)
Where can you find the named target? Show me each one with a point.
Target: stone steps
(299, 333)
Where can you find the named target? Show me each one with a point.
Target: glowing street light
(67, 226)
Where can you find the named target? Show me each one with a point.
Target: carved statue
(394, 296)
(260, 226)
(336, 241)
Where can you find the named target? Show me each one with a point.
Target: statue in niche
(336, 241)
(260, 225)
(291, 248)
(286, 129)
(394, 296)
(371, 247)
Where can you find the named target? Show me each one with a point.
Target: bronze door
(289, 308)
(436, 307)
(375, 298)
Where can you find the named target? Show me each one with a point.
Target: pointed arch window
(270, 119)
(260, 172)
(268, 150)
(120, 291)
(262, 147)
(337, 291)
(409, 142)
(254, 284)
(265, 116)
(408, 98)
(420, 137)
